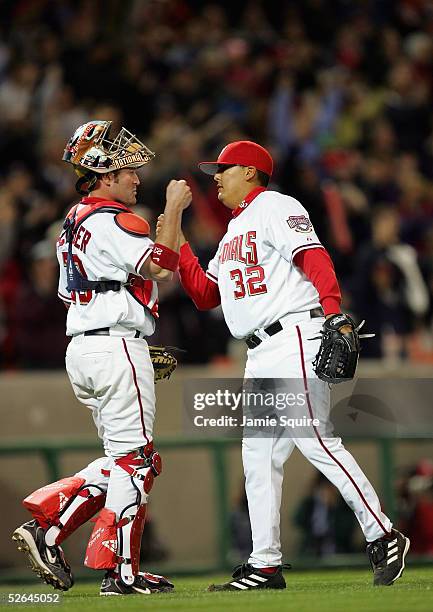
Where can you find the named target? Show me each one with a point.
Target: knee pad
(144, 464)
(46, 503)
(64, 506)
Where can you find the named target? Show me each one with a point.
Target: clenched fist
(178, 194)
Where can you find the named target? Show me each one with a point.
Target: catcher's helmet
(92, 152)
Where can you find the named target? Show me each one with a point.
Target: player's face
(125, 186)
(231, 184)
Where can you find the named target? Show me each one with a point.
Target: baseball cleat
(247, 578)
(47, 561)
(144, 584)
(387, 557)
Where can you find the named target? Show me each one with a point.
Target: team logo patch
(300, 223)
(110, 544)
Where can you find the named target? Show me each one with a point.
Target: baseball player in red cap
(276, 285)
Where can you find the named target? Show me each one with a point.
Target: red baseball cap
(241, 153)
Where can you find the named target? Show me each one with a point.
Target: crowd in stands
(341, 94)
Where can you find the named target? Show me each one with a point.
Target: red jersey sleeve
(317, 266)
(201, 289)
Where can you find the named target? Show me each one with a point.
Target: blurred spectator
(389, 289)
(342, 95)
(38, 318)
(326, 522)
(415, 499)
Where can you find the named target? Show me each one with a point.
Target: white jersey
(254, 269)
(104, 251)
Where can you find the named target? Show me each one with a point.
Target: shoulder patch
(132, 224)
(300, 223)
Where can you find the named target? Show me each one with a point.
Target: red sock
(268, 570)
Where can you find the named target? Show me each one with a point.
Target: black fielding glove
(338, 354)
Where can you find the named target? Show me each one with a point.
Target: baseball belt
(105, 331)
(253, 340)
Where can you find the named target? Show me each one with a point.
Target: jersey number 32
(252, 283)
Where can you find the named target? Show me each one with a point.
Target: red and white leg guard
(63, 506)
(129, 532)
(101, 550)
(143, 466)
(117, 542)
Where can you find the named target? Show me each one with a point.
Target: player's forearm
(164, 259)
(203, 292)
(317, 266)
(169, 234)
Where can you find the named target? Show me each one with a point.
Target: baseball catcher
(109, 270)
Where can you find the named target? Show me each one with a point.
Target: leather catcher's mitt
(163, 361)
(338, 354)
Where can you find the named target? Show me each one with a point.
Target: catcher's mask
(92, 152)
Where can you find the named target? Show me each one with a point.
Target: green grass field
(324, 591)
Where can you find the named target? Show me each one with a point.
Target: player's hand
(178, 194)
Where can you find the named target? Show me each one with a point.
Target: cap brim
(210, 168)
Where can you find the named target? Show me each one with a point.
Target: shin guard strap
(85, 505)
(130, 530)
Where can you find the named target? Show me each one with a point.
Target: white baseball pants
(113, 376)
(289, 355)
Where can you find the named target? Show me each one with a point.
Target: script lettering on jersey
(81, 238)
(241, 248)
